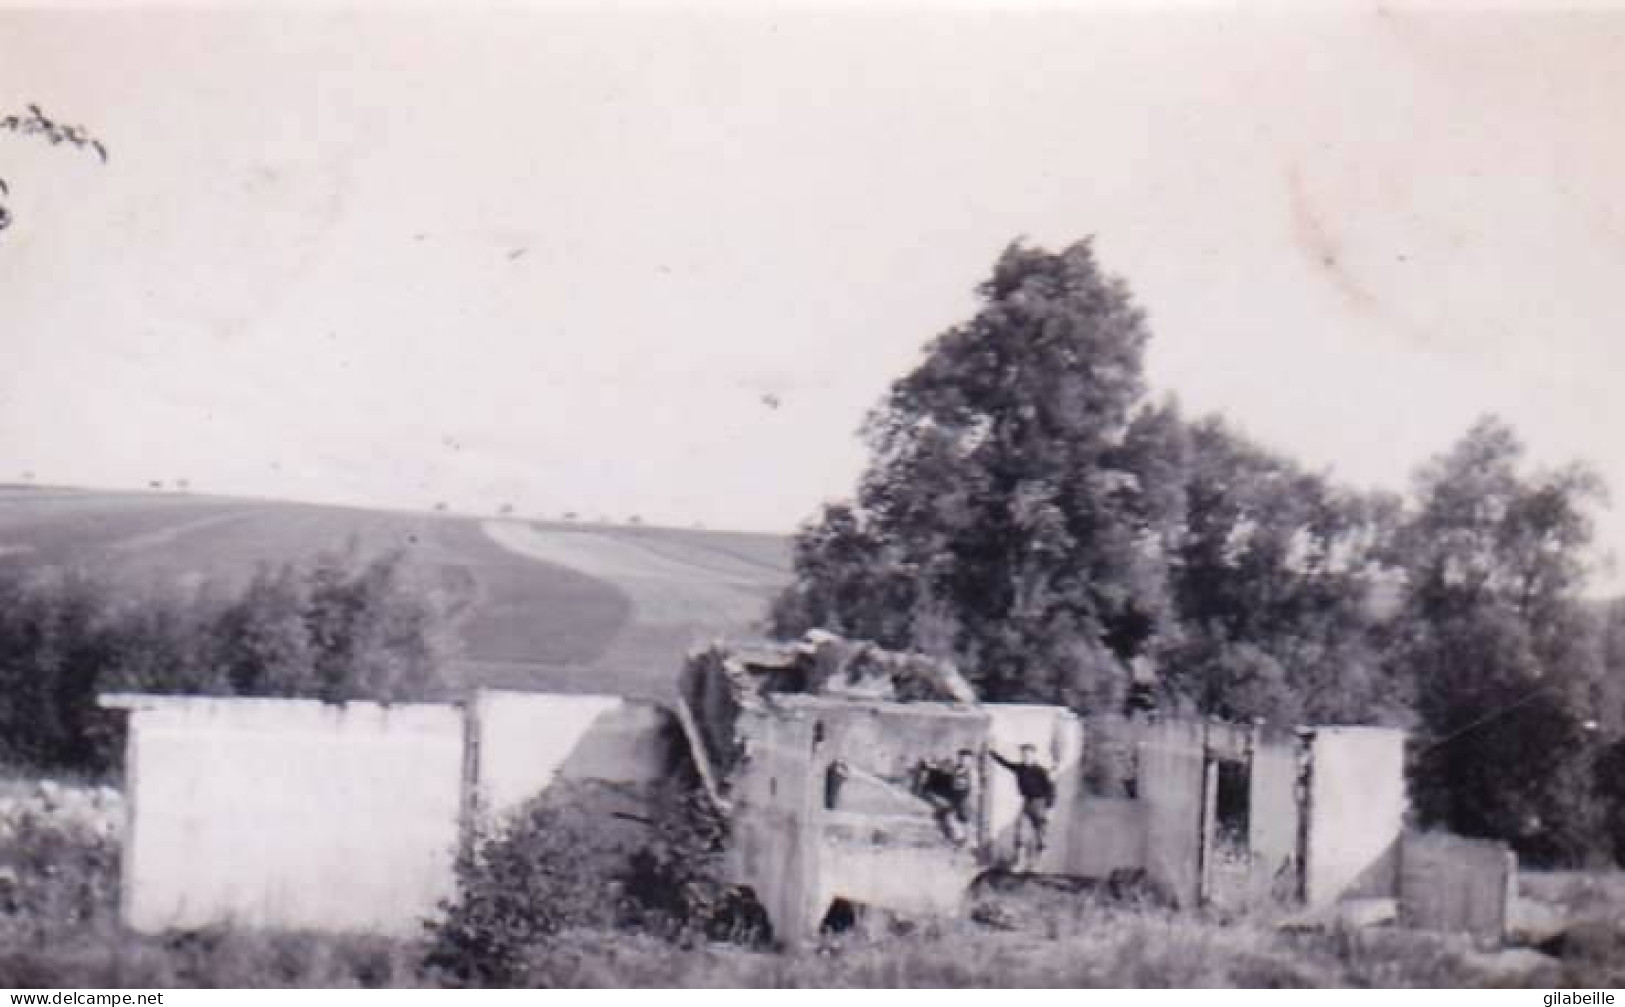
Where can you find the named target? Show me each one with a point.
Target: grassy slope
(572, 608)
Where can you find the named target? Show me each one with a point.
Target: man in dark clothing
(1037, 789)
(947, 788)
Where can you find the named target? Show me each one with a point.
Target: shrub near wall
(567, 864)
(59, 859)
(54, 649)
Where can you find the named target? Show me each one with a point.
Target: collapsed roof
(825, 664)
(720, 680)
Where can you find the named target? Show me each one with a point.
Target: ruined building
(296, 814)
(817, 750)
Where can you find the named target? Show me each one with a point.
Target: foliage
(517, 886)
(54, 650)
(1273, 579)
(1504, 656)
(561, 865)
(1029, 512)
(339, 628)
(1609, 783)
(1008, 516)
(59, 861)
(370, 635)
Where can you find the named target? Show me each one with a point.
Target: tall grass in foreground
(1053, 941)
(1125, 948)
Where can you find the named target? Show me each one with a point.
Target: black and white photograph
(811, 493)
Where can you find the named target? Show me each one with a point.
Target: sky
(659, 260)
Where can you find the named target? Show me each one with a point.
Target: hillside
(542, 605)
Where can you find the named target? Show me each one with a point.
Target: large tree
(1016, 509)
(1505, 656)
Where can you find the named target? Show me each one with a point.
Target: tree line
(340, 626)
(1033, 511)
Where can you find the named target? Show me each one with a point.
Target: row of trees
(336, 628)
(1031, 511)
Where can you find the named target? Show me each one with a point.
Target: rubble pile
(721, 680)
(855, 670)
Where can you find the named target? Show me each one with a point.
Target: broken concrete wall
(900, 864)
(290, 814)
(885, 742)
(774, 807)
(824, 807)
(864, 671)
(879, 843)
(718, 682)
(1105, 835)
(526, 742)
(1356, 813)
(1273, 817)
(715, 695)
(1111, 761)
(1456, 885)
(1172, 760)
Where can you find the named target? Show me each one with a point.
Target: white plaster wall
(291, 814)
(527, 741)
(1171, 779)
(1272, 802)
(524, 738)
(774, 793)
(1457, 885)
(1356, 813)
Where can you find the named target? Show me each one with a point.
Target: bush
(567, 864)
(59, 860)
(53, 648)
(671, 886)
(341, 627)
(518, 885)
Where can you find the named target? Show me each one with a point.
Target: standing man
(1037, 789)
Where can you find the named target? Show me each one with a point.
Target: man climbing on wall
(947, 787)
(1037, 789)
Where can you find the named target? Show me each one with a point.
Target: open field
(544, 605)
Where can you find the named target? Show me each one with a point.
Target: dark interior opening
(1232, 802)
(834, 777)
(841, 917)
